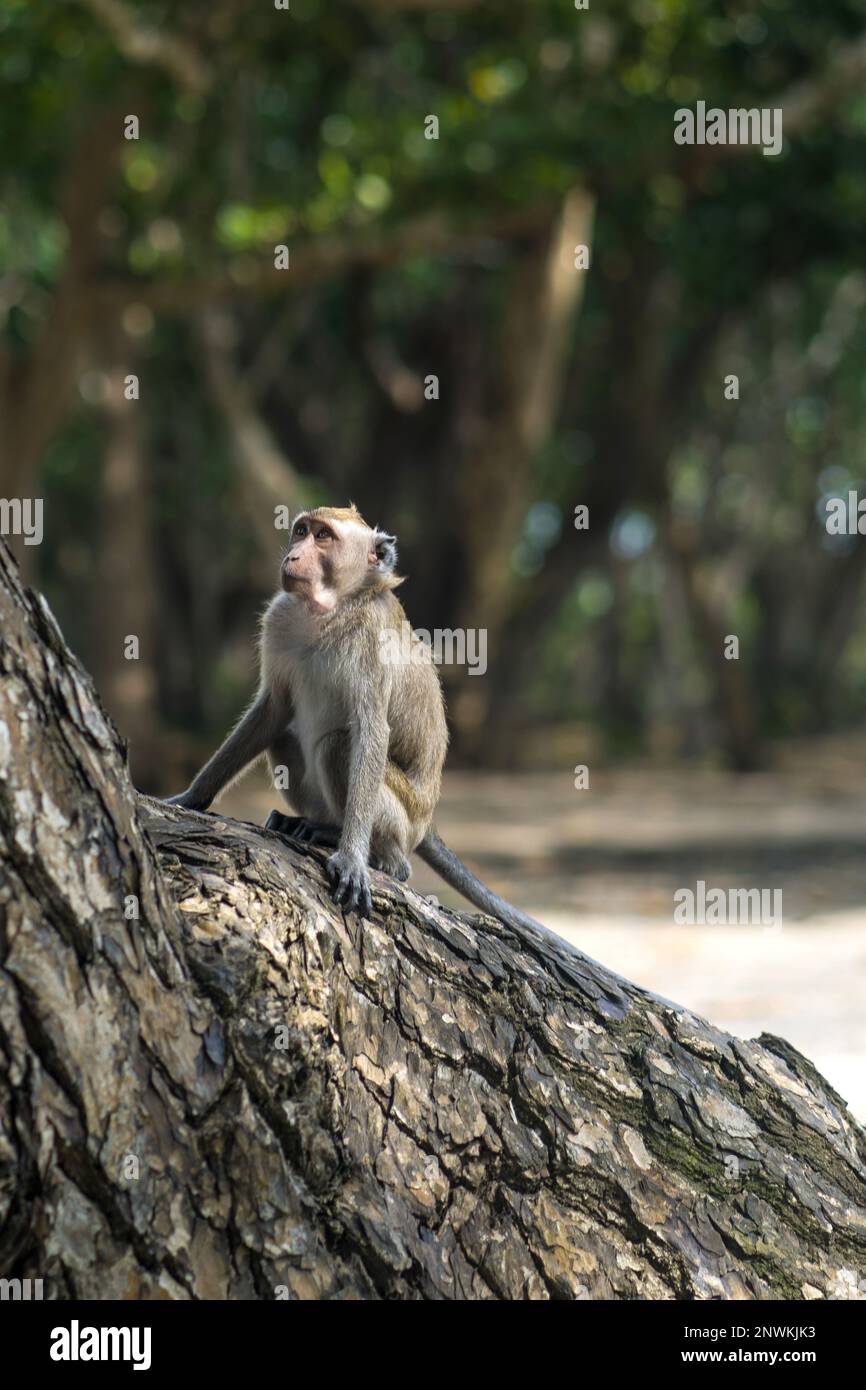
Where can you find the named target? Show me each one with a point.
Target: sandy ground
(601, 866)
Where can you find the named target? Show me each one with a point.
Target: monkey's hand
(189, 800)
(350, 882)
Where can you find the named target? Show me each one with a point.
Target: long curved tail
(436, 853)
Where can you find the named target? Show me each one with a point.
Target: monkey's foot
(350, 882)
(306, 832)
(393, 863)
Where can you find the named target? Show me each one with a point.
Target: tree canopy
(430, 170)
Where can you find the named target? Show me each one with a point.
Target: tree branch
(152, 47)
(213, 1084)
(273, 479)
(37, 392)
(312, 262)
(801, 104)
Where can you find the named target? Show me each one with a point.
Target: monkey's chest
(321, 706)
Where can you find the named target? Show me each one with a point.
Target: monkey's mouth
(289, 576)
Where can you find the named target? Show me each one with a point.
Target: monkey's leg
(347, 773)
(311, 832)
(307, 832)
(390, 822)
(285, 757)
(392, 862)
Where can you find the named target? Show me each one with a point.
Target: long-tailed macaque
(350, 713)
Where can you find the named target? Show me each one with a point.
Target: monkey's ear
(385, 552)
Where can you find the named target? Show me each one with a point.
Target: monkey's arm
(368, 734)
(247, 741)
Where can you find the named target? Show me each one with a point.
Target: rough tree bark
(240, 1091)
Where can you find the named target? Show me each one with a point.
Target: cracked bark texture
(243, 1093)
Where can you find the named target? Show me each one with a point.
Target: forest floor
(601, 867)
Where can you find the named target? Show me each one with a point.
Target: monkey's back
(416, 717)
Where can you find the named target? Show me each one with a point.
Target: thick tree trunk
(35, 392)
(124, 603)
(215, 1085)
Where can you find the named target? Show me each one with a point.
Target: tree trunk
(215, 1085)
(737, 704)
(124, 603)
(543, 297)
(35, 393)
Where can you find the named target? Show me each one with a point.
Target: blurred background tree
(449, 257)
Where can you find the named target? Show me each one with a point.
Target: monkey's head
(334, 553)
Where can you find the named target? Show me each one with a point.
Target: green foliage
(313, 127)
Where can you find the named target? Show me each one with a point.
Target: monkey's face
(334, 552)
(310, 561)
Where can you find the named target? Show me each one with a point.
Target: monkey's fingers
(355, 897)
(350, 884)
(363, 897)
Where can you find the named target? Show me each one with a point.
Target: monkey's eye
(300, 529)
(323, 534)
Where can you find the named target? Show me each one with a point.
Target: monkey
(361, 738)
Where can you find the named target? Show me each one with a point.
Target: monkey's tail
(436, 853)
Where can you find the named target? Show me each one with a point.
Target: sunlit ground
(601, 867)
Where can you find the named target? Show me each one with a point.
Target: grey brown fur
(354, 740)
